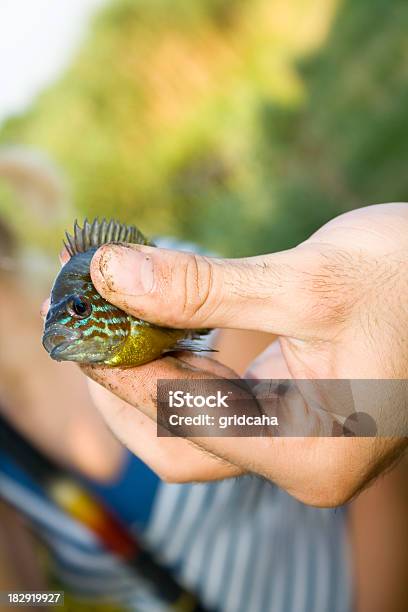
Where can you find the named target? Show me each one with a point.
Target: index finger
(138, 386)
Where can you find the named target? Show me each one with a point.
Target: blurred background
(240, 126)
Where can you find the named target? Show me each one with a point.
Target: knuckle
(196, 284)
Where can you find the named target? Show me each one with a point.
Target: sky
(37, 40)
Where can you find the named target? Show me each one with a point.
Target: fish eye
(79, 307)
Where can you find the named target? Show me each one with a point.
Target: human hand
(174, 459)
(335, 303)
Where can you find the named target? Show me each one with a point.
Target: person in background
(238, 545)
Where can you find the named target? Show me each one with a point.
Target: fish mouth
(57, 339)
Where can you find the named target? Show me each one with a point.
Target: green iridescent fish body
(82, 326)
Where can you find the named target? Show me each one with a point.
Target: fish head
(80, 324)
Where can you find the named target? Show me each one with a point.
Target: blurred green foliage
(240, 125)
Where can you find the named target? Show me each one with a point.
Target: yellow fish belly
(143, 344)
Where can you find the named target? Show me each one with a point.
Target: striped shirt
(243, 545)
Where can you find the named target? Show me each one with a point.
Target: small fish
(82, 326)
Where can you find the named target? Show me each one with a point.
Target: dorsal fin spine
(101, 232)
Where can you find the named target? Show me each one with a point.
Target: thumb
(184, 290)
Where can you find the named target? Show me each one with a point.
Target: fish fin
(95, 234)
(190, 345)
(194, 342)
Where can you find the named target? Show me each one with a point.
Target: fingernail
(127, 271)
